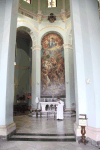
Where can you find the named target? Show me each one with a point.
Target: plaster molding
(7, 129)
(63, 15)
(55, 26)
(29, 31)
(67, 46)
(32, 15)
(27, 12)
(49, 26)
(52, 26)
(39, 17)
(68, 26)
(36, 47)
(24, 21)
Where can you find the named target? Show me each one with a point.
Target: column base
(92, 134)
(7, 131)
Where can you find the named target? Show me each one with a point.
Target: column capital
(68, 46)
(36, 47)
(65, 46)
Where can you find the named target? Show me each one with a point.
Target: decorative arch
(30, 32)
(61, 33)
(55, 32)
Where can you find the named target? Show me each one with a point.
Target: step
(52, 114)
(42, 137)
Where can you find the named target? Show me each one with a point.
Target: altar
(44, 104)
(50, 102)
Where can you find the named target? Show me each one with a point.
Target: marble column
(36, 74)
(86, 35)
(8, 13)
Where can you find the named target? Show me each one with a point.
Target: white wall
(2, 16)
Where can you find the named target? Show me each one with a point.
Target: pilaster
(8, 35)
(86, 33)
(36, 73)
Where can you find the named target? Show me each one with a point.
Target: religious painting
(52, 66)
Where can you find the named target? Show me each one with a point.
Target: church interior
(49, 50)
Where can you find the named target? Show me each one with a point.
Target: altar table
(43, 105)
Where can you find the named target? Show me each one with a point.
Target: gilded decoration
(52, 66)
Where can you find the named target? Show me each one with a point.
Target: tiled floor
(26, 124)
(17, 145)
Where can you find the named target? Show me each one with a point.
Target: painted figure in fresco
(51, 43)
(52, 65)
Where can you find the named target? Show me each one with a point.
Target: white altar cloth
(43, 104)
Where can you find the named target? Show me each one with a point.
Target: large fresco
(52, 66)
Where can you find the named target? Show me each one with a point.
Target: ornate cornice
(40, 16)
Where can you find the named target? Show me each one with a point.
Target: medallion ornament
(51, 18)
